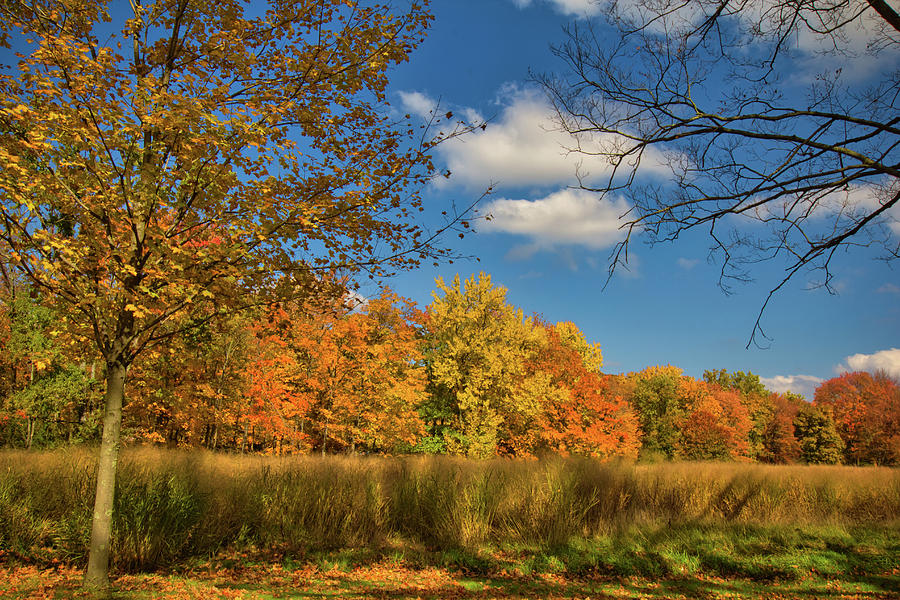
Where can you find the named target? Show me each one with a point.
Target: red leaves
(866, 411)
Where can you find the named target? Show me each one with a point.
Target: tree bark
(887, 13)
(29, 434)
(97, 574)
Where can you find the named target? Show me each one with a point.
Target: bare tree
(773, 125)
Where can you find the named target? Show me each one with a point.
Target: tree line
(469, 375)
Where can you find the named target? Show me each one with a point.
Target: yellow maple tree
(164, 157)
(479, 346)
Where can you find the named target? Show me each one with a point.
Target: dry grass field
(213, 525)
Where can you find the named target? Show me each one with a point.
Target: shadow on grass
(742, 552)
(391, 581)
(693, 561)
(414, 586)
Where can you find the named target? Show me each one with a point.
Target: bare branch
(691, 106)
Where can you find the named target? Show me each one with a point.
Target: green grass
(683, 562)
(764, 554)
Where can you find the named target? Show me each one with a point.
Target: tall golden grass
(171, 505)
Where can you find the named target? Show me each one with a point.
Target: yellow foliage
(572, 337)
(480, 349)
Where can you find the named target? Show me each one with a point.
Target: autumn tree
(161, 159)
(779, 444)
(817, 436)
(716, 425)
(661, 409)
(704, 437)
(755, 398)
(219, 352)
(360, 375)
(573, 338)
(866, 410)
(501, 383)
(49, 397)
(273, 402)
(391, 377)
(10, 364)
(185, 392)
(782, 114)
(579, 414)
(477, 350)
(682, 417)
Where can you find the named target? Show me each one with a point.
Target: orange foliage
(866, 411)
(186, 393)
(359, 375)
(717, 425)
(682, 417)
(274, 403)
(585, 418)
(779, 443)
(298, 377)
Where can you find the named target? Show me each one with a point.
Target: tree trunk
(97, 573)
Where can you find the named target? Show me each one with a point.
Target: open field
(204, 525)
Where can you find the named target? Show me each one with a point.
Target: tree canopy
(171, 159)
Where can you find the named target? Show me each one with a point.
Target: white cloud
(885, 360)
(850, 50)
(858, 199)
(859, 28)
(856, 25)
(687, 263)
(888, 288)
(472, 116)
(524, 146)
(805, 385)
(418, 103)
(569, 217)
(355, 301)
(576, 8)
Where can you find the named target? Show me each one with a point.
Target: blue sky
(549, 244)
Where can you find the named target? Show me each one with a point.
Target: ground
(393, 579)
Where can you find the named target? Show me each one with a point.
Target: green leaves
(818, 438)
